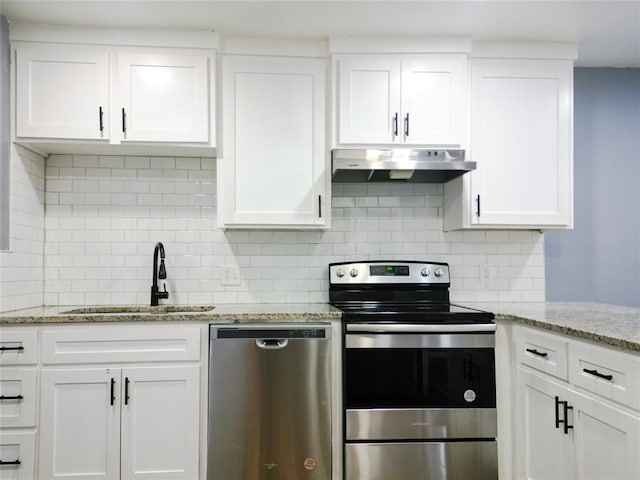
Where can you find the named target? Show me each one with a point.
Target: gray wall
(4, 133)
(600, 259)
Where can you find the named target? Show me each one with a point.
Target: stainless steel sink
(140, 309)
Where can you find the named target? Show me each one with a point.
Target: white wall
(105, 213)
(21, 268)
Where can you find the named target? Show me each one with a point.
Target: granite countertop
(606, 324)
(598, 322)
(241, 313)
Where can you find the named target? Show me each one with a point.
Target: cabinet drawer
(18, 346)
(17, 447)
(613, 375)
(18, 397)
(546, 353)
(102, 344)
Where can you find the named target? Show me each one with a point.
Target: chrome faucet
(162, 274)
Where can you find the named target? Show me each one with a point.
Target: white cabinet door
(62, 92)
(543, 450)
(521, 139)
(403, 100)
(369, 101)
(607, 440)
(434, 100)
(160, 422)
(164, 98)
(272, 171)
(80, 424)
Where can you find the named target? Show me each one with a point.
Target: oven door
(409, 384)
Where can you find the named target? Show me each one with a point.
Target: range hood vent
(398, 165)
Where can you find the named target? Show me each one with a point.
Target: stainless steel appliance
(434, 165)
(419, 375)
(269, 402)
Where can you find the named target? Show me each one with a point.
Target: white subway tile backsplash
(104, 214)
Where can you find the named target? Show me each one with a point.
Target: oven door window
(419, 378)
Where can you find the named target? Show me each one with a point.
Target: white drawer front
(18, 397)
(545, 353)
(18, 346)
(113, 343)
(14, 447)
(613, 375)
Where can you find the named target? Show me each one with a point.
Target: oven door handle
(420, 328)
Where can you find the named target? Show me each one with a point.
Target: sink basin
(140, 309)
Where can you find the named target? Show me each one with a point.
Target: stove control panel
(377, 272)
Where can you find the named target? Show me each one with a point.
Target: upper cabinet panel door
(369, 101)
(434, 101)
(62, 92)
(163, 98)
(521, 139)
(273, 167)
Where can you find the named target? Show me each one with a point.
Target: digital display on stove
(389, 270)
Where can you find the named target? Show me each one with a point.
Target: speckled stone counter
(606, 324)
(311, 312)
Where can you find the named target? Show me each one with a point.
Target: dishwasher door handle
(271, 343)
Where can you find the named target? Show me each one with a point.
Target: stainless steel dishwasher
(269, 402)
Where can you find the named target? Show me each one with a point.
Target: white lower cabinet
(120, 423)
(563, 432)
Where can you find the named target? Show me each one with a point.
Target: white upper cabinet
(163, 97)
(272, 171)
(62, 92)
(86, 98)
(521, 139)
(401, 99)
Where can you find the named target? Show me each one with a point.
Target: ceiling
(607, 32)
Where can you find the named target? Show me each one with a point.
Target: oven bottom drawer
(476, 460)
(418, 424)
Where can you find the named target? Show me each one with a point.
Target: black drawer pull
(598, 374)
(11, 397)
(113, 391)
(15, 462)
(126, 390)
(536, 352)
(4, 349)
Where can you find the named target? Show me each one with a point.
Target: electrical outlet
(485, 272)
(230, 276)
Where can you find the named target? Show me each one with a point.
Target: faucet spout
(162, 274)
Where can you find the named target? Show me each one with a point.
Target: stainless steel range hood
(399, 165)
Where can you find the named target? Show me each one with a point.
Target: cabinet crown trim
(138, 37)
(381, 44)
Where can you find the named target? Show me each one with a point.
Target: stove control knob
(425, 272)
(353, 272)
(438, 272)
(340, 273)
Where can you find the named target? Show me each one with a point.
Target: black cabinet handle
(596, 373)
(395, 124)
(320, 206)
(478, 205)
(101, 113)
(15, 462)
(11, 397)
(113, 391)
(536, 352)
(406, 125)
(124, 121)
(566, 417)
(566, 408)
(126, 390)
(4, 349)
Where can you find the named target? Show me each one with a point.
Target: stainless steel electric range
(418, 372)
